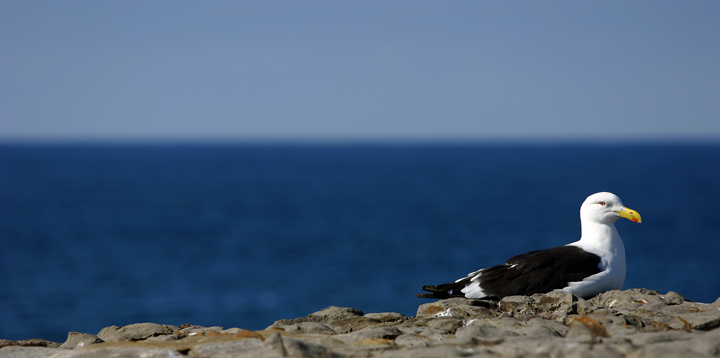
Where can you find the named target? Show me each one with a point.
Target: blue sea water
(243, 235)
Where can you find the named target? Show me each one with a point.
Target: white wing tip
(473, 290)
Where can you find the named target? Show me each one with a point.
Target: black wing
(539, 271)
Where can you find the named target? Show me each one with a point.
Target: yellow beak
(629, 214)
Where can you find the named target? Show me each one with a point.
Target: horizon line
(355, 141)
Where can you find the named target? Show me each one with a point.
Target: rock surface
(633, 323)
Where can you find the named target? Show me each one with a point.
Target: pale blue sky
(359, 70)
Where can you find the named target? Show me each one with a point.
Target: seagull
(585, 268)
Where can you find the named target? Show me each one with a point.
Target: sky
(359, 71)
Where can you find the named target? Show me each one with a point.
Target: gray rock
(351, 324)
(655, 337)
(483, 330)
(708, 343)
(660, 312)
(540, 330)
(326, 315)
(579, 332)
(443, 325)
(633, 298)
(372, 333)
(7, 342)
(577, 349)
(556, 329)
(500, 322)
(515, 305)
(108, 352)
(653, 324)
(653, 309)
(667, 349)
(695, 315)
(407, 340)
(199, 330)
(386, 317)
(633, 323)
(715, 304)
(165, 338)
(33, 352)
(533, 347)
(334, 313)
(553, 305)
(673, 298)
(458, 307)
(339, 319)
(231, 331)
(704, 320)
(273, 346)
(616, 325)
(555, 301)
(233, 349)
(125, 352)
(80, 340)
(427, 333)
(447, 351)
(308, 328)
(584, 307)
(134, 332)
(38, 342)
(301, 348)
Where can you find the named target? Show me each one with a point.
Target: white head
(606, 208)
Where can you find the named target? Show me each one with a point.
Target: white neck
(598, 233)
(604, 241)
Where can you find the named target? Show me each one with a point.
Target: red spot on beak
(634, 220)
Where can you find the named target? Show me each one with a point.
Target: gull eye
(602, 203)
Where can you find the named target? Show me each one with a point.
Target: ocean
(243, 235)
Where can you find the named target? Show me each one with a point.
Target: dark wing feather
(539, 271)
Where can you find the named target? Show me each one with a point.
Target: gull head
(606, 208)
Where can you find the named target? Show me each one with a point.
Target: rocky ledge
(631, 323)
